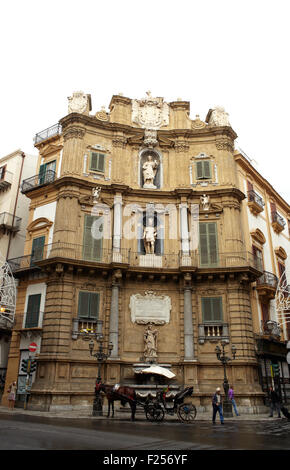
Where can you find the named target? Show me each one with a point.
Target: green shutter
(97, 162)
(203, 170)
(88, 307)
(32, 313)
(208, 244)
(41, 174)
(37, 249)
(212, 309)
(92, 247)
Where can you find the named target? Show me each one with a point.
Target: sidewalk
(124, 416)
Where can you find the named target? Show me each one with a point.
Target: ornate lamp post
(101, 355)
(227, 405)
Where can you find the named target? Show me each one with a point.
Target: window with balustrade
(212, 326)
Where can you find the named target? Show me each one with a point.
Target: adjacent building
(138, 229)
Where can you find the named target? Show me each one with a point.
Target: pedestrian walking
(217, 406)
(12, 395)
(232, 399)
(275, 403)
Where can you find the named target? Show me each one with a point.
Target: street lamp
(227, 405)
(101, 356)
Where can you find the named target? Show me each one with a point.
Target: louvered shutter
(88, 307)
(92, 246)
(206, 170)
(208, 245)
(206, 309)
(217, 313)
(41, 174)
(199, 170)
(37, 249)
(97, 161)
(32, 313)
(94, 305)
(212, 310)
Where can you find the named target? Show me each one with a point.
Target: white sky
(232, 53)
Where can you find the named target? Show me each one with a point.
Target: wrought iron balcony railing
(278, 219)
(88, 254)
(47, 133)
(36, 181)
(254, 197)
(10, 222)
(267, 279)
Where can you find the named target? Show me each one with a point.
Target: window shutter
(97, 161)
(217, 312)
(212, 310)
(250, 186)
(92, 247)
(83, 307)
(94, 305)
(206, 170)
(265, 312)
(199, 170)
(32, 314)
(41, 174)
(37, 249)
(208, 243)
(206, 309)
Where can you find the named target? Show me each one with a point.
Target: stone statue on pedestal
(149, 237)
(149, 172)
(204, 200)
(150, 338)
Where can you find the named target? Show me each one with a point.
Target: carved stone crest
(218, 117)
(150, 113)
(79, 102)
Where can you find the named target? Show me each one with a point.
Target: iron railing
(267, 279)
(38, 180)
(10, 222)
(126, 256)
(254, 197)
(47, 133)
(278, 218)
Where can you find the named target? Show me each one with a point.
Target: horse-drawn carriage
(154, 408)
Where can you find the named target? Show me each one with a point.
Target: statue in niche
(204, 200)
(149, 237)
(96, 193)
(150, 338)
(149, 172)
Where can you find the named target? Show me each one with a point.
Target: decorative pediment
(281, 252)
(258, 236)
(50, 149)
(164, 142)
(39, 224)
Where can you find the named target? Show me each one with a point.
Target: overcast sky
(232, 53)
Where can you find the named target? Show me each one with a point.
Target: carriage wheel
(186, 412)
(154, 413)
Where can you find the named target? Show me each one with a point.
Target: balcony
(6, 180)
(213, 331)
(80, 254)
(278, 223)
(48, 133)
(85, 327)
(267, 285)
(255, 202)
(9, 223)
(42, 179)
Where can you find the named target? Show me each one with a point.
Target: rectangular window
(208, 244)
(2, 172)
(203, 170)
(97, 162)
(37, 249)
(259, 257)
(212, 309)
(46, 172)
(93, 238)
(89, 303)
(32, 313)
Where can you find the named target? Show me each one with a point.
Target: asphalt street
(24, 432)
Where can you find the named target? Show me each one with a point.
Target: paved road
(32, 432)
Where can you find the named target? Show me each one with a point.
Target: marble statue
(204, 200)
(149, 172)
(149, 237)
(96, 193)
(150, 338)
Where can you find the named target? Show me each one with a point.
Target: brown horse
(118, 393)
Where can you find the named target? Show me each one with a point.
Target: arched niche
(159, 227)
(144, 157)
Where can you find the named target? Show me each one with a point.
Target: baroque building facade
(136, 220)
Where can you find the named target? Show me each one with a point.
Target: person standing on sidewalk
(275, 403)
(232, 399)
(217, 406)
(12, 395)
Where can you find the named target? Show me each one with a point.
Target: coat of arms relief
(150, 113)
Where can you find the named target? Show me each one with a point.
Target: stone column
(184, 229)
(114, 315)
(72, 158)
(188, 325)
(117, 223)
